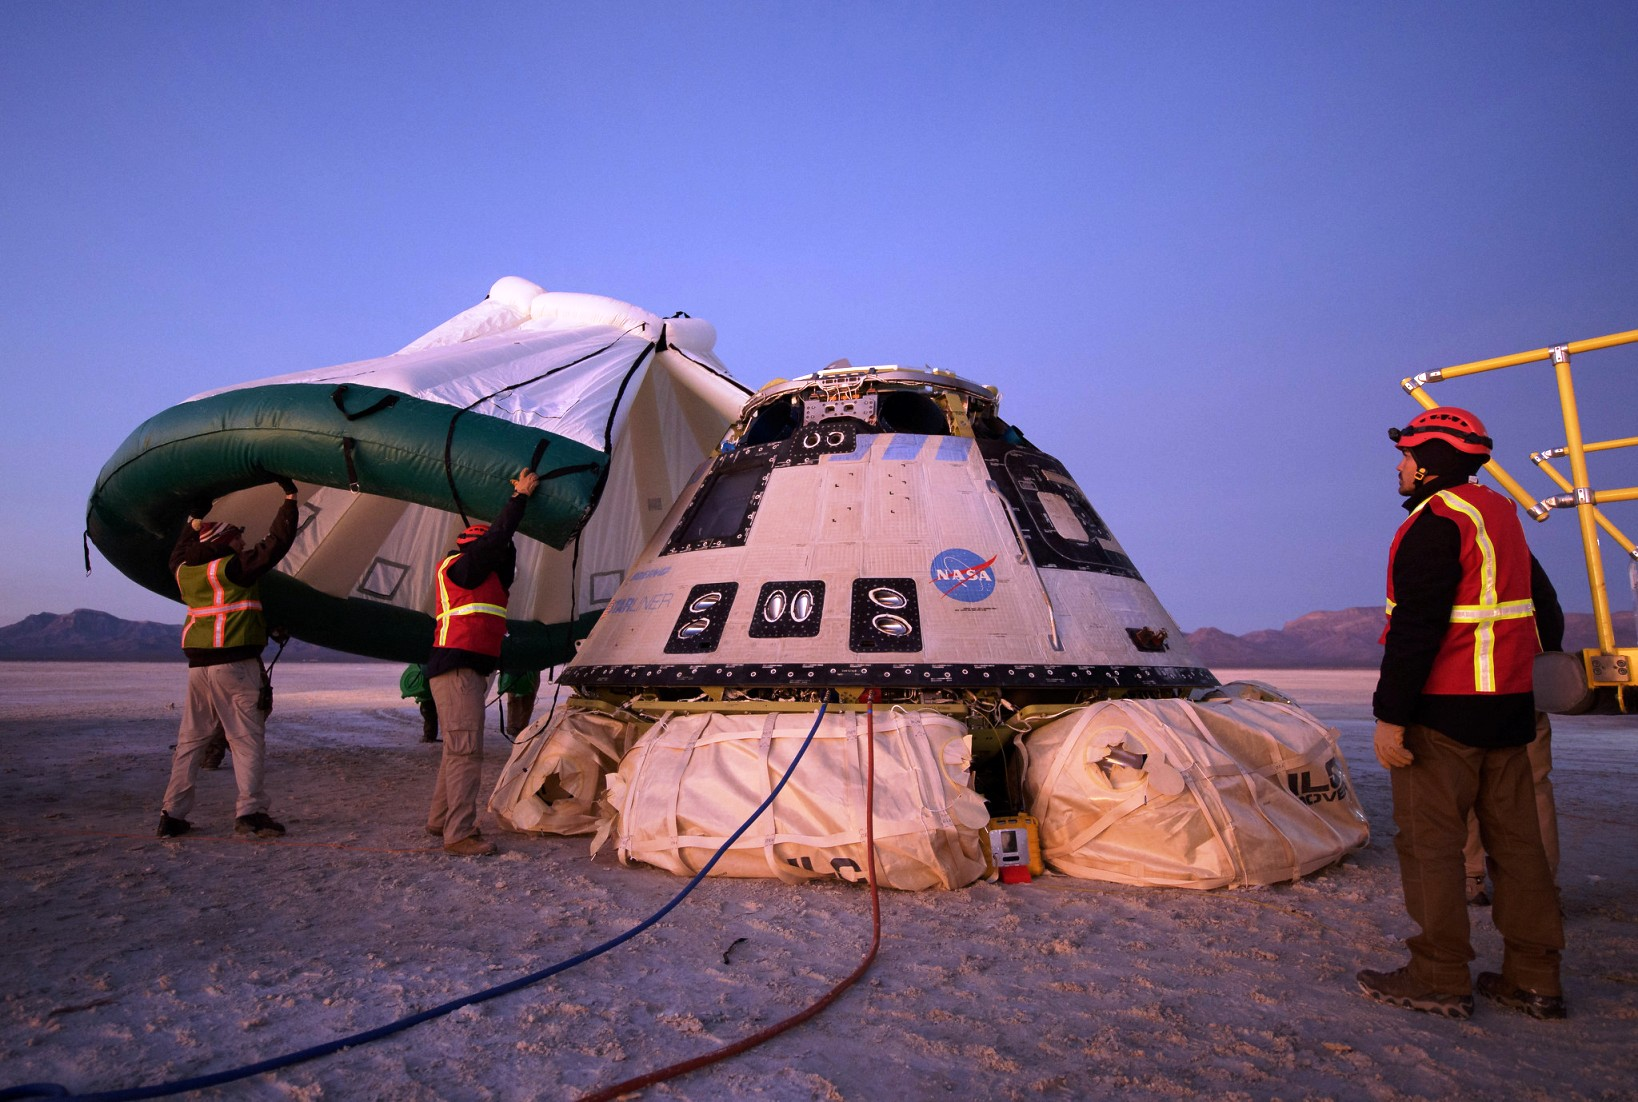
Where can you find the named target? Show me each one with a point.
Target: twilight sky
(1196, 245)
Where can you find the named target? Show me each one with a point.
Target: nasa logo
(963, 575)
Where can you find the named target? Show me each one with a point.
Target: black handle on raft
(559, 472)
(339, 394)
(347, 446)
(540, 451)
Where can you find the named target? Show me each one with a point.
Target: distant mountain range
(86, 635)
(1346, 638)
(1321, 640)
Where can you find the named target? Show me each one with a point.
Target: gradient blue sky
(1196, 245)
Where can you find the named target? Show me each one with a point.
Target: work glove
(1389, 741)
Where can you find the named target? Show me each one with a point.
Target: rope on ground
(200, 1082)
(607, 1094)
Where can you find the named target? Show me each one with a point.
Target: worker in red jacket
(1454, 714)
(473, 583)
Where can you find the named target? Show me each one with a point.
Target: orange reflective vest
(1491, 642)
(470, 619)
(221, 613)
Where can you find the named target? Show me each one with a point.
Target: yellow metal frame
(1606, 665)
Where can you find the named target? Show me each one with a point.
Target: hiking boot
(1544, 1007)
(473, 845)
(1398, 988)
(260, 824)
(1476, 895)
(172, 828)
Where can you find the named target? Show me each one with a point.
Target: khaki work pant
(1540, 753)
(227, 694)
(459, 695)
(1431, 800)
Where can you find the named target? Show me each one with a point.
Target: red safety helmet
(1456, 427)
(471, 534)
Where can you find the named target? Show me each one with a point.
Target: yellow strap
(1507, 610)
(212, 610)
(1484, 631)
(468, 610)
(1468, 614)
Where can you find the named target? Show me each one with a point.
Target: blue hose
(54, 1090)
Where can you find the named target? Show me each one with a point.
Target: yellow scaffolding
(1606, 665)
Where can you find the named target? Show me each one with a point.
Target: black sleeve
(186, 541)
(484, 555)
(1426, 573)
(253, 562)
(1549, 615)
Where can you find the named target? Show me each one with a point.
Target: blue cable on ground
(54, 1090)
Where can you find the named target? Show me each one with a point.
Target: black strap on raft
(608, 437)
(348, 445)
(85, 545)
(702, 364)
(449, 467)
(562, 472)
(449, 437)
(339, 394)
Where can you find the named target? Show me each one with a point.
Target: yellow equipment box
(1013, 840)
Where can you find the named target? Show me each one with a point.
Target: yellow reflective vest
(221, 612)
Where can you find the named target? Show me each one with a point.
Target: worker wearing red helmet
(471, 590)
(1454, 714)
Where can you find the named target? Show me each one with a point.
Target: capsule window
(723, 508)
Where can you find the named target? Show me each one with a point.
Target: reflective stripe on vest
(456, 604)
(233, 610)
(1485, 616)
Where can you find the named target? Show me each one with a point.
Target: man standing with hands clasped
(473, 583)
(1454, 715)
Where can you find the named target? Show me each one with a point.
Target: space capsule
(881, 538)
(882, 526)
